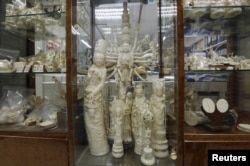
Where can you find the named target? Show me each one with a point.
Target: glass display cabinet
(33, 104)
(215, 59)
(124, 112)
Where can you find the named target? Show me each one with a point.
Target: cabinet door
(125, 49)
(21, 151)
(33, 66)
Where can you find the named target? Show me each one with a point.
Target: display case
(32, 43)
(215, 60)
(33, 104)
(124, 112)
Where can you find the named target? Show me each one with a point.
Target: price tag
(19, 68)
(38, 68)
(27, 68)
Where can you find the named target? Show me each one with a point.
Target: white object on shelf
(244, 127)
(222, 105)
(208, 105)
(47, 124)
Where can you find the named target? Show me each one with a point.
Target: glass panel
(167, 53)
(82, 30)
(216, 62)
(126, 58)
(33, 66)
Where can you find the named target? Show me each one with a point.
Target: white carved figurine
(140, 105)
(147, 157)
(94, 102)
(127, 137)
(157, 101)
(125, 63)
(117, 109)
(193, 115)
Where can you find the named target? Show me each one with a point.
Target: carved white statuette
(157, 101)
(147, 157)
(126, 125)
(192, 115)
(140, 105)
(173, 154)
(94, 103)
(129, 58)
(117, 109)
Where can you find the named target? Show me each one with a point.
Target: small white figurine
(157, 101)
(192, 116)
(127, 135)
(147, 157)
(140, 105)
(117, 109)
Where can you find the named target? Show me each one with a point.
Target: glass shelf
(209, 7)
(36, 14)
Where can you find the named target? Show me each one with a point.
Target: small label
(27, 68)
(229, 157)
(20, 68)
(37, 68)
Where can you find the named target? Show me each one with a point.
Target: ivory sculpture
(126, 127)
(93, 100)
(192, 115)
(124, 60)
(147, 157)
(129, 111)
(140, 106)
(117, 111)
(157, 101)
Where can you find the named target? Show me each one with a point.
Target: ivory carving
(94, 103)
(157, 101)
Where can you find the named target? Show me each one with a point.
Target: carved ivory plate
(47, 124)
(208, 105)
(217, 13)
(244, 127)
(232, 12)
(222, 105)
